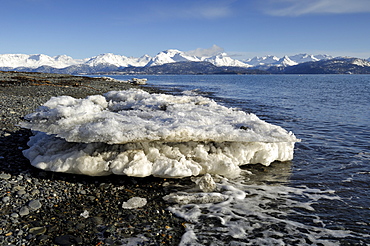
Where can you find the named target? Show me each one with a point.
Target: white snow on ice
(139, 134)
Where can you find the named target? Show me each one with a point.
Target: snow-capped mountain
(361, 62)
(338, 65)
(113, 61)
(170, 56)
(270, 60)
(38, 60)
(262, 61)
(117, 60)
(109, 59)
(223, 59)
(285, 62)
(300, 58)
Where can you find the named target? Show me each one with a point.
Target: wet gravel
(46, 208)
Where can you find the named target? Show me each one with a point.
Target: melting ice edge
(139, 134)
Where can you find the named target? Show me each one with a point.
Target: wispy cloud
(214, 50)
(211, 12)
(194, 9)
(304, 7)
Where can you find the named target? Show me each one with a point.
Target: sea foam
(136, 133)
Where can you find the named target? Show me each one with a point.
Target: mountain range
(175, 61)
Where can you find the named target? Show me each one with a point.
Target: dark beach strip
(45, 208)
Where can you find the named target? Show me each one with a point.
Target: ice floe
(136, 133)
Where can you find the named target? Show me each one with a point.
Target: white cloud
(303, 7)
(214, 50)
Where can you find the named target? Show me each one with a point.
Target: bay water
(322, 196)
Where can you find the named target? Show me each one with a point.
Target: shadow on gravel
(12, 160)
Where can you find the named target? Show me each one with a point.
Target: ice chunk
(85, 214)
(137, 116)
(139, 134)
(198, 198)
(174, 160)
(135, 202)
(206, 183)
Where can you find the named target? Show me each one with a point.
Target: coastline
(46, 208)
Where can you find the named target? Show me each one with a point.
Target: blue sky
(242, 28)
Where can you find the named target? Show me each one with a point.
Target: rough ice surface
(196, 198)
(205, 183)
(135, 202)
(139, 134)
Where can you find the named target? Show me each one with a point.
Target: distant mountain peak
(110, 61)
(285, 61)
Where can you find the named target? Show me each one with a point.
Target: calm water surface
(323, 195)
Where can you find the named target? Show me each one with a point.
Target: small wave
(256, 215)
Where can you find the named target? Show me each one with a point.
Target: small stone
(82, 192)
(6, 199)
(21, 192)
(24, 211)
(5, 176)
(67, 240)
(35, 192)
(135, 202)
(37, 230)
(97, 220)
(20, 233)
(80, 226)
(42, 238)
(34, 204)
(14, 215)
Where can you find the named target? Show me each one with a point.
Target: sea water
(321, 197)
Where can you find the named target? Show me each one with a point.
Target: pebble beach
(46, 208)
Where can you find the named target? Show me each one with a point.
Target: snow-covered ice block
(160, 159)
(136, 116)
(139, 134)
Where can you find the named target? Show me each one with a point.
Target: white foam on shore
(140, 134)
(242, 214)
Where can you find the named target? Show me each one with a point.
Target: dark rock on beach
(46, 208)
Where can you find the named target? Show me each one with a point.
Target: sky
(241, 28)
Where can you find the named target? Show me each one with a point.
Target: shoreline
(46, 208)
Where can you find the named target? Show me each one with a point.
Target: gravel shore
(45, 208)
